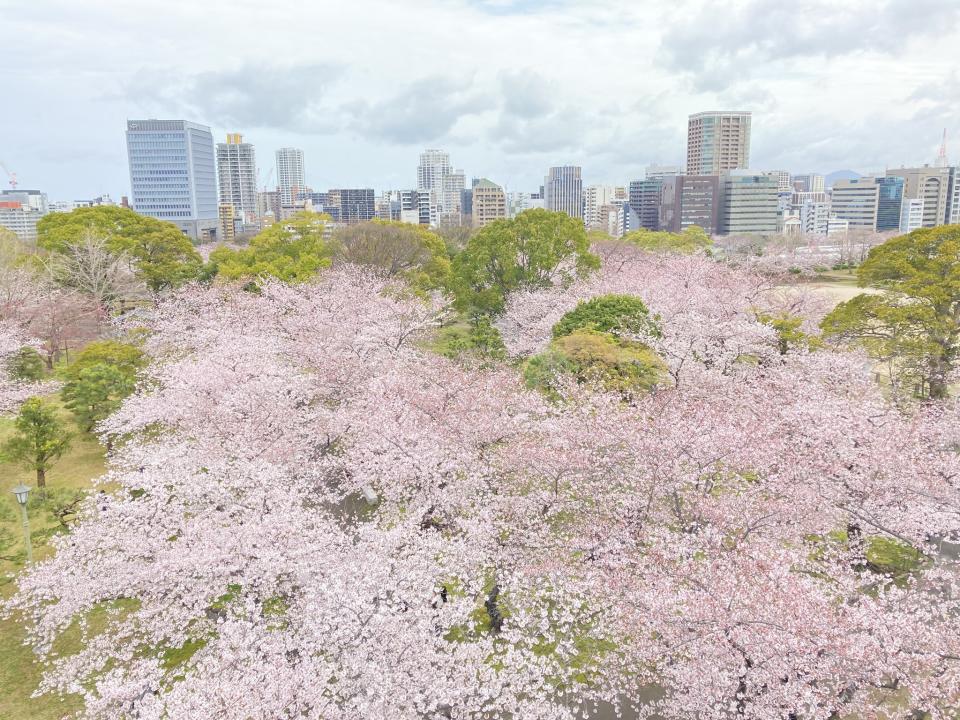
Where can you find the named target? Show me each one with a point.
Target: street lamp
(22, 492)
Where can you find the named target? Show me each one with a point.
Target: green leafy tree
(96, 392)
(913, 322)
(127, 359)
(790, 334)
(398, 249)
(479, 339)
(39, 440)
(161, 254)
(692, 239)
(293, 251)
(616, 314)
(536, 249)
(26, 364)
(589, 356)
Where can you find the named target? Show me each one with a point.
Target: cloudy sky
(509, 87)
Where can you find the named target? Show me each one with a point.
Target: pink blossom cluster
(309, 514)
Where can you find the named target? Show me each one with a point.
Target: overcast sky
(508, 87)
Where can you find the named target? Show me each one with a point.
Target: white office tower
(563, 190)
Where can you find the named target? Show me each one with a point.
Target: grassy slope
(19, 673)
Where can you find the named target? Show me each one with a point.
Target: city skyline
(359, 115)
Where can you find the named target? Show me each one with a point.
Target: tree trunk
(41, 478)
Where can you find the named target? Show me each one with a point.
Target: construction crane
(11, 175)
(942, 156)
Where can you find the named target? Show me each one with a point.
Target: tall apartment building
(291, 179)
(718, 142)
(889, 203)
(173, 174)
(489, 203)
(451, 196)
(237, 177)
(645, 198)
(563, 190)
(856, 201)
(748, 203)
(930, 184)
(690, 200)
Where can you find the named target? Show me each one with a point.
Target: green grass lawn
(70, 477)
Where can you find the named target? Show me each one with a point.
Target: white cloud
(507, 86)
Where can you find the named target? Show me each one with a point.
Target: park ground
(69, 478)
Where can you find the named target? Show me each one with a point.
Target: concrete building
(354, 205)
(690, 200)
(443, 195)
(595, 197)
(291, 177)
(268, 205)
(518, 201)
(856, 201)
(489, 203)
(237, 177)
(809, 182)
(645, 197)
(953, 197)
(228, 222)
(911, 215)
(173, 174)
(814, 216)
(930, 184)
(660, 172)
(782, 178)
(29, 199)
(563, 190)
(718, 142)
(20, 219)
(748, 204)
(451, 198)
(837, 226)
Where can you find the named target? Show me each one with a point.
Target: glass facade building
(889, 203)
(173, 174)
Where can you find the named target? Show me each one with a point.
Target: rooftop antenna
(942, 156)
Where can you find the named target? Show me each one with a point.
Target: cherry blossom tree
(309, 514)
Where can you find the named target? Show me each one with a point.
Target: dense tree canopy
(536, 249)
(316, 516)
(398, 249)
(690, 240)
(292, 250)
(161, 254)
(913, 322)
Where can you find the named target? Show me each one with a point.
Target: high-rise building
(454, 183)
(856, 201)
(911, 215)
(563, 188)
(748, 203)
(489, 203)
(433, 168)
(930, 184)
(889, 203)
(690, 200)
(718, 142)
(237, 177)
(953, 197)
(290, 175)
(173, 174)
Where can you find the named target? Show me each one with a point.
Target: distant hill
(841, 175)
